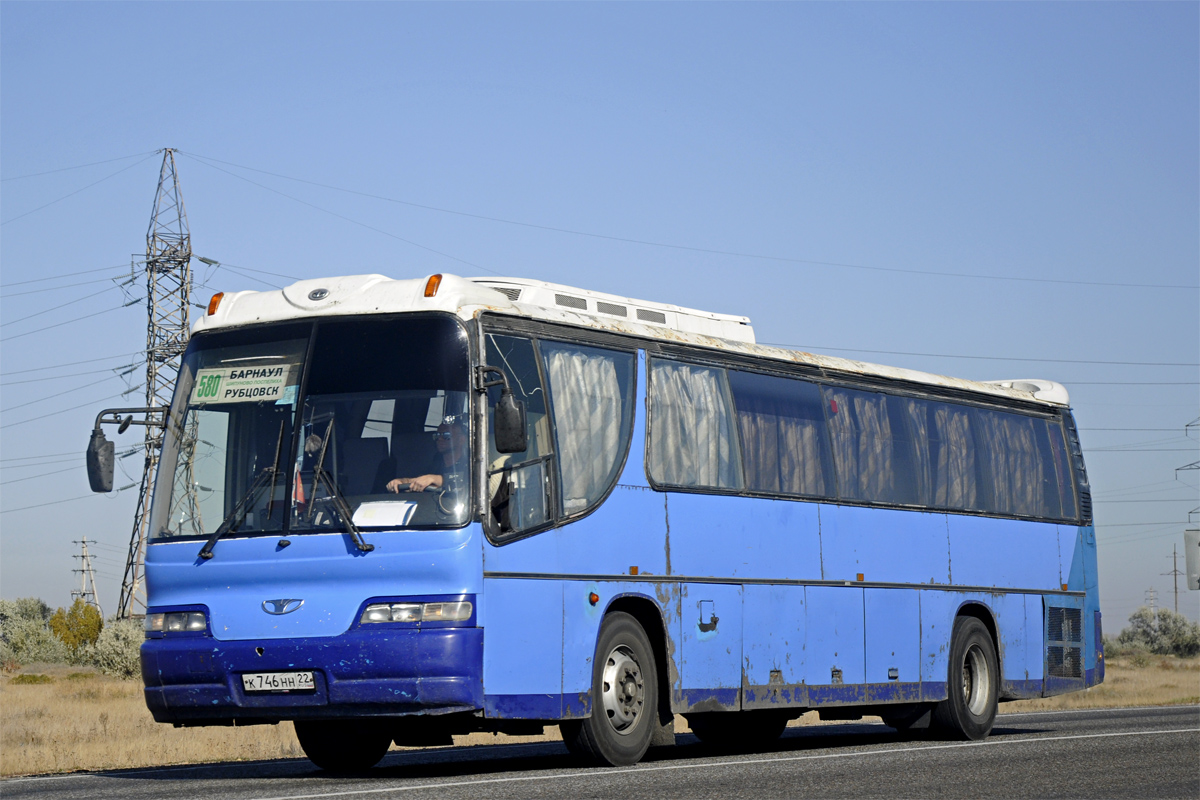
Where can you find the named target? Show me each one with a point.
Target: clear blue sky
(1041, 142)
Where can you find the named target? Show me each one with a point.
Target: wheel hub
(624, 690)
(976, 682)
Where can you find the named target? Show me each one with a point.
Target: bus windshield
(357, 423)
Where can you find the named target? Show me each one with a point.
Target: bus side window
(785, 445)
(592, 407)
(871, 446)
(693, 435)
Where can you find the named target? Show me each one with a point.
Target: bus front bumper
(198, 680)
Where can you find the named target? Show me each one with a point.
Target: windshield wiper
(335, 494)
(248, 500)
(343, 509)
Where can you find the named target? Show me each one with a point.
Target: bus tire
(624, 697)
(972, 685)
(747, 730)
(343, 745)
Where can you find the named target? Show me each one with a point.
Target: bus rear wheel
(972, 684)
(343, 745)
(624, 697)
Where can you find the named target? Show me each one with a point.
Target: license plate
(278, 682)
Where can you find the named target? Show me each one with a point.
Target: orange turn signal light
(860, 577)
(431, 285)
(593, 598)
(215, 303)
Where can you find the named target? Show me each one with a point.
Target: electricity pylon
(168, 303)
(87, 577)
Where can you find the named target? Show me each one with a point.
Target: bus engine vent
(645, 315)
(611, 308)
(571, 302)
(1064, 637)
(512, 294)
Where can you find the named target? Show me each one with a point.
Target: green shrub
(116, 651)
(25, 637)
(30, 679)
(1165, 633)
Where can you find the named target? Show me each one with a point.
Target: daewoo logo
(318, 294)
(282, 606)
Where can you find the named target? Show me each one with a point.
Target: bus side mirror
(509, 423)
(100, 462)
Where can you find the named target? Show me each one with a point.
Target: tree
(77, 627)
(1167, 633)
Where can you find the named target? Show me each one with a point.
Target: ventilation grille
(1064, 662)
(1064, 634)
(611, 308)
(571, 302)
(512, 294)
(651, 316)
(1085, 504)
(1065, 625)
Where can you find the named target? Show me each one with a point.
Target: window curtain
(589, 418)
(954, 483)
(861, 435)
(1012, 463)
(692, 441)
(781, 444)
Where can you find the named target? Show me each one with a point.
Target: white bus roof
(469, 297)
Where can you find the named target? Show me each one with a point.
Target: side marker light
(860, 577)
(633, 570)
(215, 303)
(593, 598)
(431, 285)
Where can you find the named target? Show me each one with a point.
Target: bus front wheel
(624, 697)
(972, 684)
(343, 745)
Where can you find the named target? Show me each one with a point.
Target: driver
(453, 451)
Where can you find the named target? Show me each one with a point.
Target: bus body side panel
(773, 618)
(893, 644)
(883, 545)
(711, 639)
(1081, 575)
(522, 655)
(1004, 553)
(581, 628)
(734, 538)
(835, 662)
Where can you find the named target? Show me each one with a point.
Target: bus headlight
(176, 622)
(457, 611)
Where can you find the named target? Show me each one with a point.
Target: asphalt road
(1134, 753)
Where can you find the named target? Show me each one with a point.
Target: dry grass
(82, 720)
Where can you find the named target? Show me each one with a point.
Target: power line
(347, 219)
(60, 411)
(72, 363)
(69, 321)
(56, 308)
(77, 191)
(41, 475)
(7, 295)
(81, 387)
(689, 248)
(69, 375)
(64, 275)
(809, 349)
(51, 503)
(77, 166)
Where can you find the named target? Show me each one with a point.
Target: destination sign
(262, 384)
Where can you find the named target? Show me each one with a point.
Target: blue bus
(391, 511)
